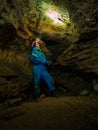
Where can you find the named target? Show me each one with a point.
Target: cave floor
(63, 113)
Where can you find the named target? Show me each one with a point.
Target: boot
(54, 93)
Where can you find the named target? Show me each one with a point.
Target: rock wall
(67, 30)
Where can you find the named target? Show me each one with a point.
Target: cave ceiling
(67, 30)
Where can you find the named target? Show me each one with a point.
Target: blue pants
(46, 77)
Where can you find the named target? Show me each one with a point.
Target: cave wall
(70, 40)
(83, 53)
(28, 19)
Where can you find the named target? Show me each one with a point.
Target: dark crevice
(89, 36)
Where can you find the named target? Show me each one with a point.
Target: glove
(49, 62)
(44, 63)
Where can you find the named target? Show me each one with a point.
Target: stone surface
(70, 40)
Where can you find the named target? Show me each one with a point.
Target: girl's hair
(34, 44)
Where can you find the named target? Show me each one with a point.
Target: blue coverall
(39, 70)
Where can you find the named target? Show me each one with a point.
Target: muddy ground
(63, 113)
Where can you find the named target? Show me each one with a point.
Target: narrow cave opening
(56, 47)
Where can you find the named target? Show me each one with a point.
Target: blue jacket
(38, 59)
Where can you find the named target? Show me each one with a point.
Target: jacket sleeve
(34, 58)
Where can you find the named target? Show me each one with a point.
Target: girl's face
(37, 45)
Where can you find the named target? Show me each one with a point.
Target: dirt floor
(63, 113)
